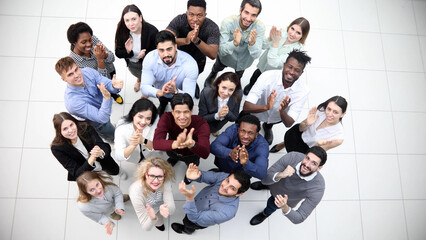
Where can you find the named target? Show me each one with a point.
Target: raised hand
(98, 51)
(244, 156)
(116, 83)
(136, 138)
(129, 45)
(271, 99)
(194, 37)
(323, 142)
(281, 201)
(189, 194)
(288, 172)
(192, 172)
(284, 103)
(151, 212)
(141, 54)
(109, 226)
(120, 212)
(252, 38)
(312, 116)
(234, 154)
(275, 36)
(96, 151)
(189, 142)
(164, 210)
(237, 36)
(223, 111)
(104, 91)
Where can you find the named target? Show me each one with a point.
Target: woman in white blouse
(151, 193)
(135, 131)
(323, 127)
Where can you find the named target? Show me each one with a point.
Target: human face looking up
(167, 52)
(247, 16)
(142, 119)
(294, 33)
(247, 132)
(154, 178)
(229, 187)
(84, 44)
(310, 164)
(333, 113)
(95, 188)
(73, 76)
(69, 130)
(291, 72)
(226, 88)
(182, 115)
(133, 22)
(195, 16)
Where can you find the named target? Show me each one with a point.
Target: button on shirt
(209, 207)
(272, 80)
(155, 73)
(242, 56)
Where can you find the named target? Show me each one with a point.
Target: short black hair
(196, 3)
(253, 3)
(75, 29)
(319, 152)
(300, 56)
(243, 178)
(182, 99)
(164, 36)
(248, 118)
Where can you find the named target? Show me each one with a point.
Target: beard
(304, 174)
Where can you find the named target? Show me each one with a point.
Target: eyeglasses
(153, 177)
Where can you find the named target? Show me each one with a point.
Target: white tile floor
(371, 52)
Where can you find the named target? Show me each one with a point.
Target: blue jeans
(106, 131)
(270, 206)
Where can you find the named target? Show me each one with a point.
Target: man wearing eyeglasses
(196, 34)
(214, 204)
(242, 147)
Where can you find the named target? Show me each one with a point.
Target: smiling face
(84, 44)
(69, 130)
(229, 187)
(248, 16)
(291, 72)
(167, 52)
(182, 115)
(142, 119)
(333, 113)
(310, 164)
(247, 132)
(294, 33)
(95, 188)
(133, 22)
(154, 178)
(73, 76)
(226, 88)
(195, 15)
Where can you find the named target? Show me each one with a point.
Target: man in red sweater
(185, 137)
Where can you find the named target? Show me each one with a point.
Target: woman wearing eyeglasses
(151, 193)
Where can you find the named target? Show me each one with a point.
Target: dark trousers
(219, 66)
(190, 227)
(254, 77)
(270, 206)
(187, 159)
(163, 104)
(293, 140)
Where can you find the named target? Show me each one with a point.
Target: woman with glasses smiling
(151, 193)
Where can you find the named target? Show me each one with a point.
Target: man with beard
(196, 34)
(167, 71)
(241, 39)
(241, 147)
(277, 96)
(216, 203)
(292, 178)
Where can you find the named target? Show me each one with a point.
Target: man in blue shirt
(88, 95)
(216, 203)
(242, 147)
(167, 71)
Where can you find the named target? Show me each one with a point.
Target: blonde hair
(146, 164)
(85, 178)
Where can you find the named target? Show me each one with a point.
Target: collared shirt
(209, 207)
(312, 135)
(88, 102)
(242, 56)
(220, 103)
(274, 58)
(258, 152)
(272, 80)
(92, 61)
(155, 73)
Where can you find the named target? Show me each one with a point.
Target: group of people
(166, 65)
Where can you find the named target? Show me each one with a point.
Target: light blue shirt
(88, 102)
(209, 207)
(155, 73)
(242, 56)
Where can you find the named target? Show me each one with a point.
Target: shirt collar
(308, 178)
(160, 61)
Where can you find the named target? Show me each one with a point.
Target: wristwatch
(198, 42)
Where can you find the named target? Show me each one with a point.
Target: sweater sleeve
(139, 204)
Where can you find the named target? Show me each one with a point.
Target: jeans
(270, 206)
(106, 131)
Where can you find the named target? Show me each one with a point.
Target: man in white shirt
(277, 96)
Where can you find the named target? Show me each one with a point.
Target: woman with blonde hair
(151, 193)
(99, 198)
